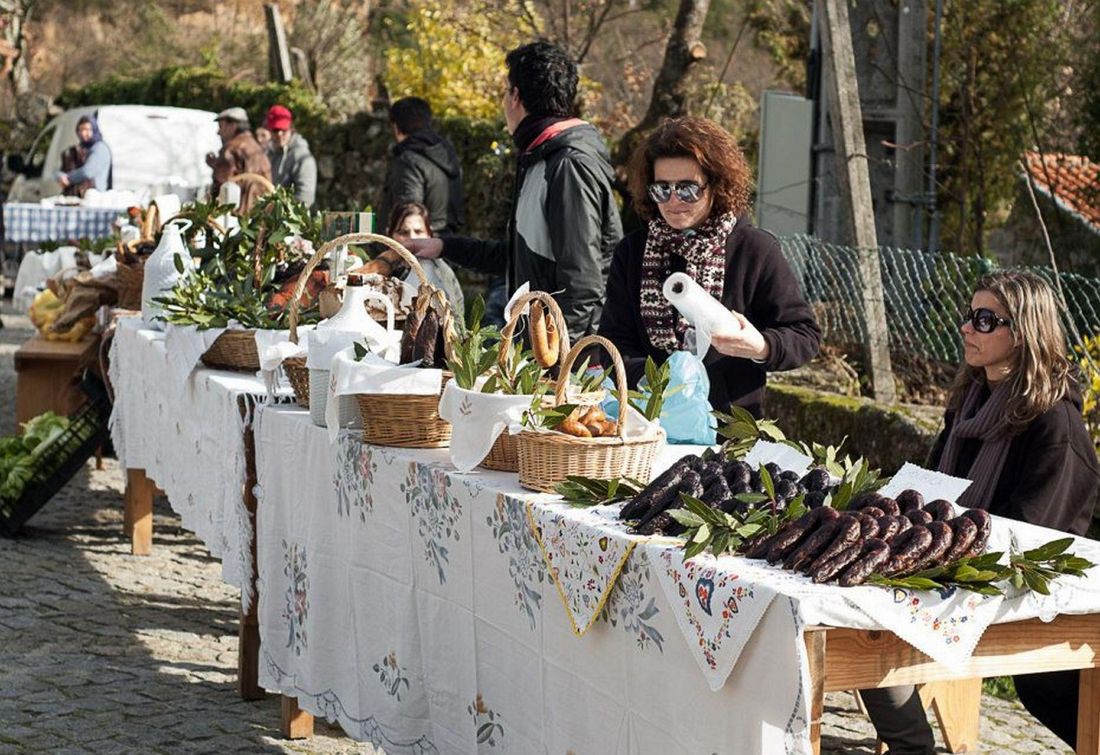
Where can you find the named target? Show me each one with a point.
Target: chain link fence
(926, 295)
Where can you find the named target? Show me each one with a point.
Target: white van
(154, 150)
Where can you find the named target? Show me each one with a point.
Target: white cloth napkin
(373, 374)
(479, 418)
(185, 345)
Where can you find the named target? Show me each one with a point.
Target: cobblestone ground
(104, 652)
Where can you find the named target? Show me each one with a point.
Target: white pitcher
(162, 271)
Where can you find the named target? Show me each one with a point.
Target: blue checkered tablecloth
(33, 222)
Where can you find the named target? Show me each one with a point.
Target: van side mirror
(15, 164)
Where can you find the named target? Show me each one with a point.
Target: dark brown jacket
(241, 154)
(759, 284)
(1050, 477)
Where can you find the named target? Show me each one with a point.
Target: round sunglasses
(984, 320)
(686, 191)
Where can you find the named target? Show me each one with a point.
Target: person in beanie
(564, 222)
(87, 164)
(240, 152)
(292, 164)
(424, 168)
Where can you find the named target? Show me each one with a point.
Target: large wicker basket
(504, 455)
(405, 420)
(233, 350)
(546, 459)
(130, 279)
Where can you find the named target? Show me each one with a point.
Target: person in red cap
(292, 164)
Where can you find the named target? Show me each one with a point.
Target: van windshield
(36, 158)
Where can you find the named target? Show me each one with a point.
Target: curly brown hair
(728, 175)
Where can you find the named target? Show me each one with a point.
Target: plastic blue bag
(687, 414)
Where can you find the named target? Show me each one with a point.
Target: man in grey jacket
(565, 222)
(292, 164)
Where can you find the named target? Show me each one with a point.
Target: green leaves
(713, 529)
(741, 431)
(650, 401)
(476, 351)
(581, 491)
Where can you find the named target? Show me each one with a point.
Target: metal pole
(934, 224)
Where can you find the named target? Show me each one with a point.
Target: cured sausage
(868, 526)
(908, 500)
(789, 538)
(888, 526)
(984, 521)
(940, 509)
(941, 541)
(890, 506)
(874, 554)
(917, 516)
(832, 567)
(907, 549)
(812, 546)
(873, 511)
(665, 482)
(544, 336)
(963, 532)
(847, 533)
(408, 336)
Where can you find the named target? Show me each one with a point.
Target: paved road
(104, 652)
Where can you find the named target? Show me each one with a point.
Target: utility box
(784, 175)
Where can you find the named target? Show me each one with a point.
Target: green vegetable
(19, 455)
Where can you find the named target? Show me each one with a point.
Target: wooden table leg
(815, 656)
(248, 631)
(1088, 713)
(294, 722)
(139, 509)
(958, 707)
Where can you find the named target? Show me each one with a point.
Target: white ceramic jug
(162, 272)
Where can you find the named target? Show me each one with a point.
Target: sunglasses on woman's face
(984, 320)
(686, 191)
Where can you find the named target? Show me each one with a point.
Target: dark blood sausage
(757, 545)
(941, 541)
(709, 471)
(906, 549)
(903, 524)
(916, 516)
(874, 511)
(689, 483)
(963, 532)
(940, 509)
(837, 563)
(666, 481)
(812, 546)
(796, 532)
(874, 554)
(985, 524)
(890, 506)
(424, 344)
(662, 522)
(888, 526)
(717, 493)
(737, 472)
(847, 532)
(910, 500)
(408, 337)
(868, 525)
(863, 500)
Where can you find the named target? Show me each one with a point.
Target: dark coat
(1050, 476)
(425, 168)
(758, 283)
(563, 228)
(241, 154)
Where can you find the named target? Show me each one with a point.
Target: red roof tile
(1073, 180)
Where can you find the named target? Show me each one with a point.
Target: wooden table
(48, 375)
(847, 659)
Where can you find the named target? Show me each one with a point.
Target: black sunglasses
(985, 320)
(686, 191)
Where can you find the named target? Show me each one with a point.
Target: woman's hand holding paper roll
(746, 342)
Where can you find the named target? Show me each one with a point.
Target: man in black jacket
(564, 223)
(425, 168)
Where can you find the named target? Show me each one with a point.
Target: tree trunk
(17, 14)
(685, 49)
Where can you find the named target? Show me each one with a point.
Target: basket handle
(387, 303)
(256, 177)
(350, 238)
(620, 374)
(513, 320)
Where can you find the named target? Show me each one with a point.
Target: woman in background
(87, 164)
(410, 220)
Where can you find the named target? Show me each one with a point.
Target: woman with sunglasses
(1013, 427)
(690, 181)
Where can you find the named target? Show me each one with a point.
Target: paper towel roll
(702, 310)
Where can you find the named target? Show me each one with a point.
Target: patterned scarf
(704, 249)
(984, 422)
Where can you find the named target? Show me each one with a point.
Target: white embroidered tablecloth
(413, 605)
(189, 439)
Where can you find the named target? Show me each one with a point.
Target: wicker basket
(546, 459)
(129, 279)
(405, 420)
(298, 375)
(233, 350)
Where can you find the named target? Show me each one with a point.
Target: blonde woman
(1013, 427)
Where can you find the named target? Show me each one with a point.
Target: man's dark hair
(411, 114)
(546, 78)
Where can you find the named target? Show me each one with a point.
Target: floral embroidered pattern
(488, 724)
(947, 628)
(632, 603)
(392, 676)
(525, 567)
(355, 470)
(297, 596)
(437, 511)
